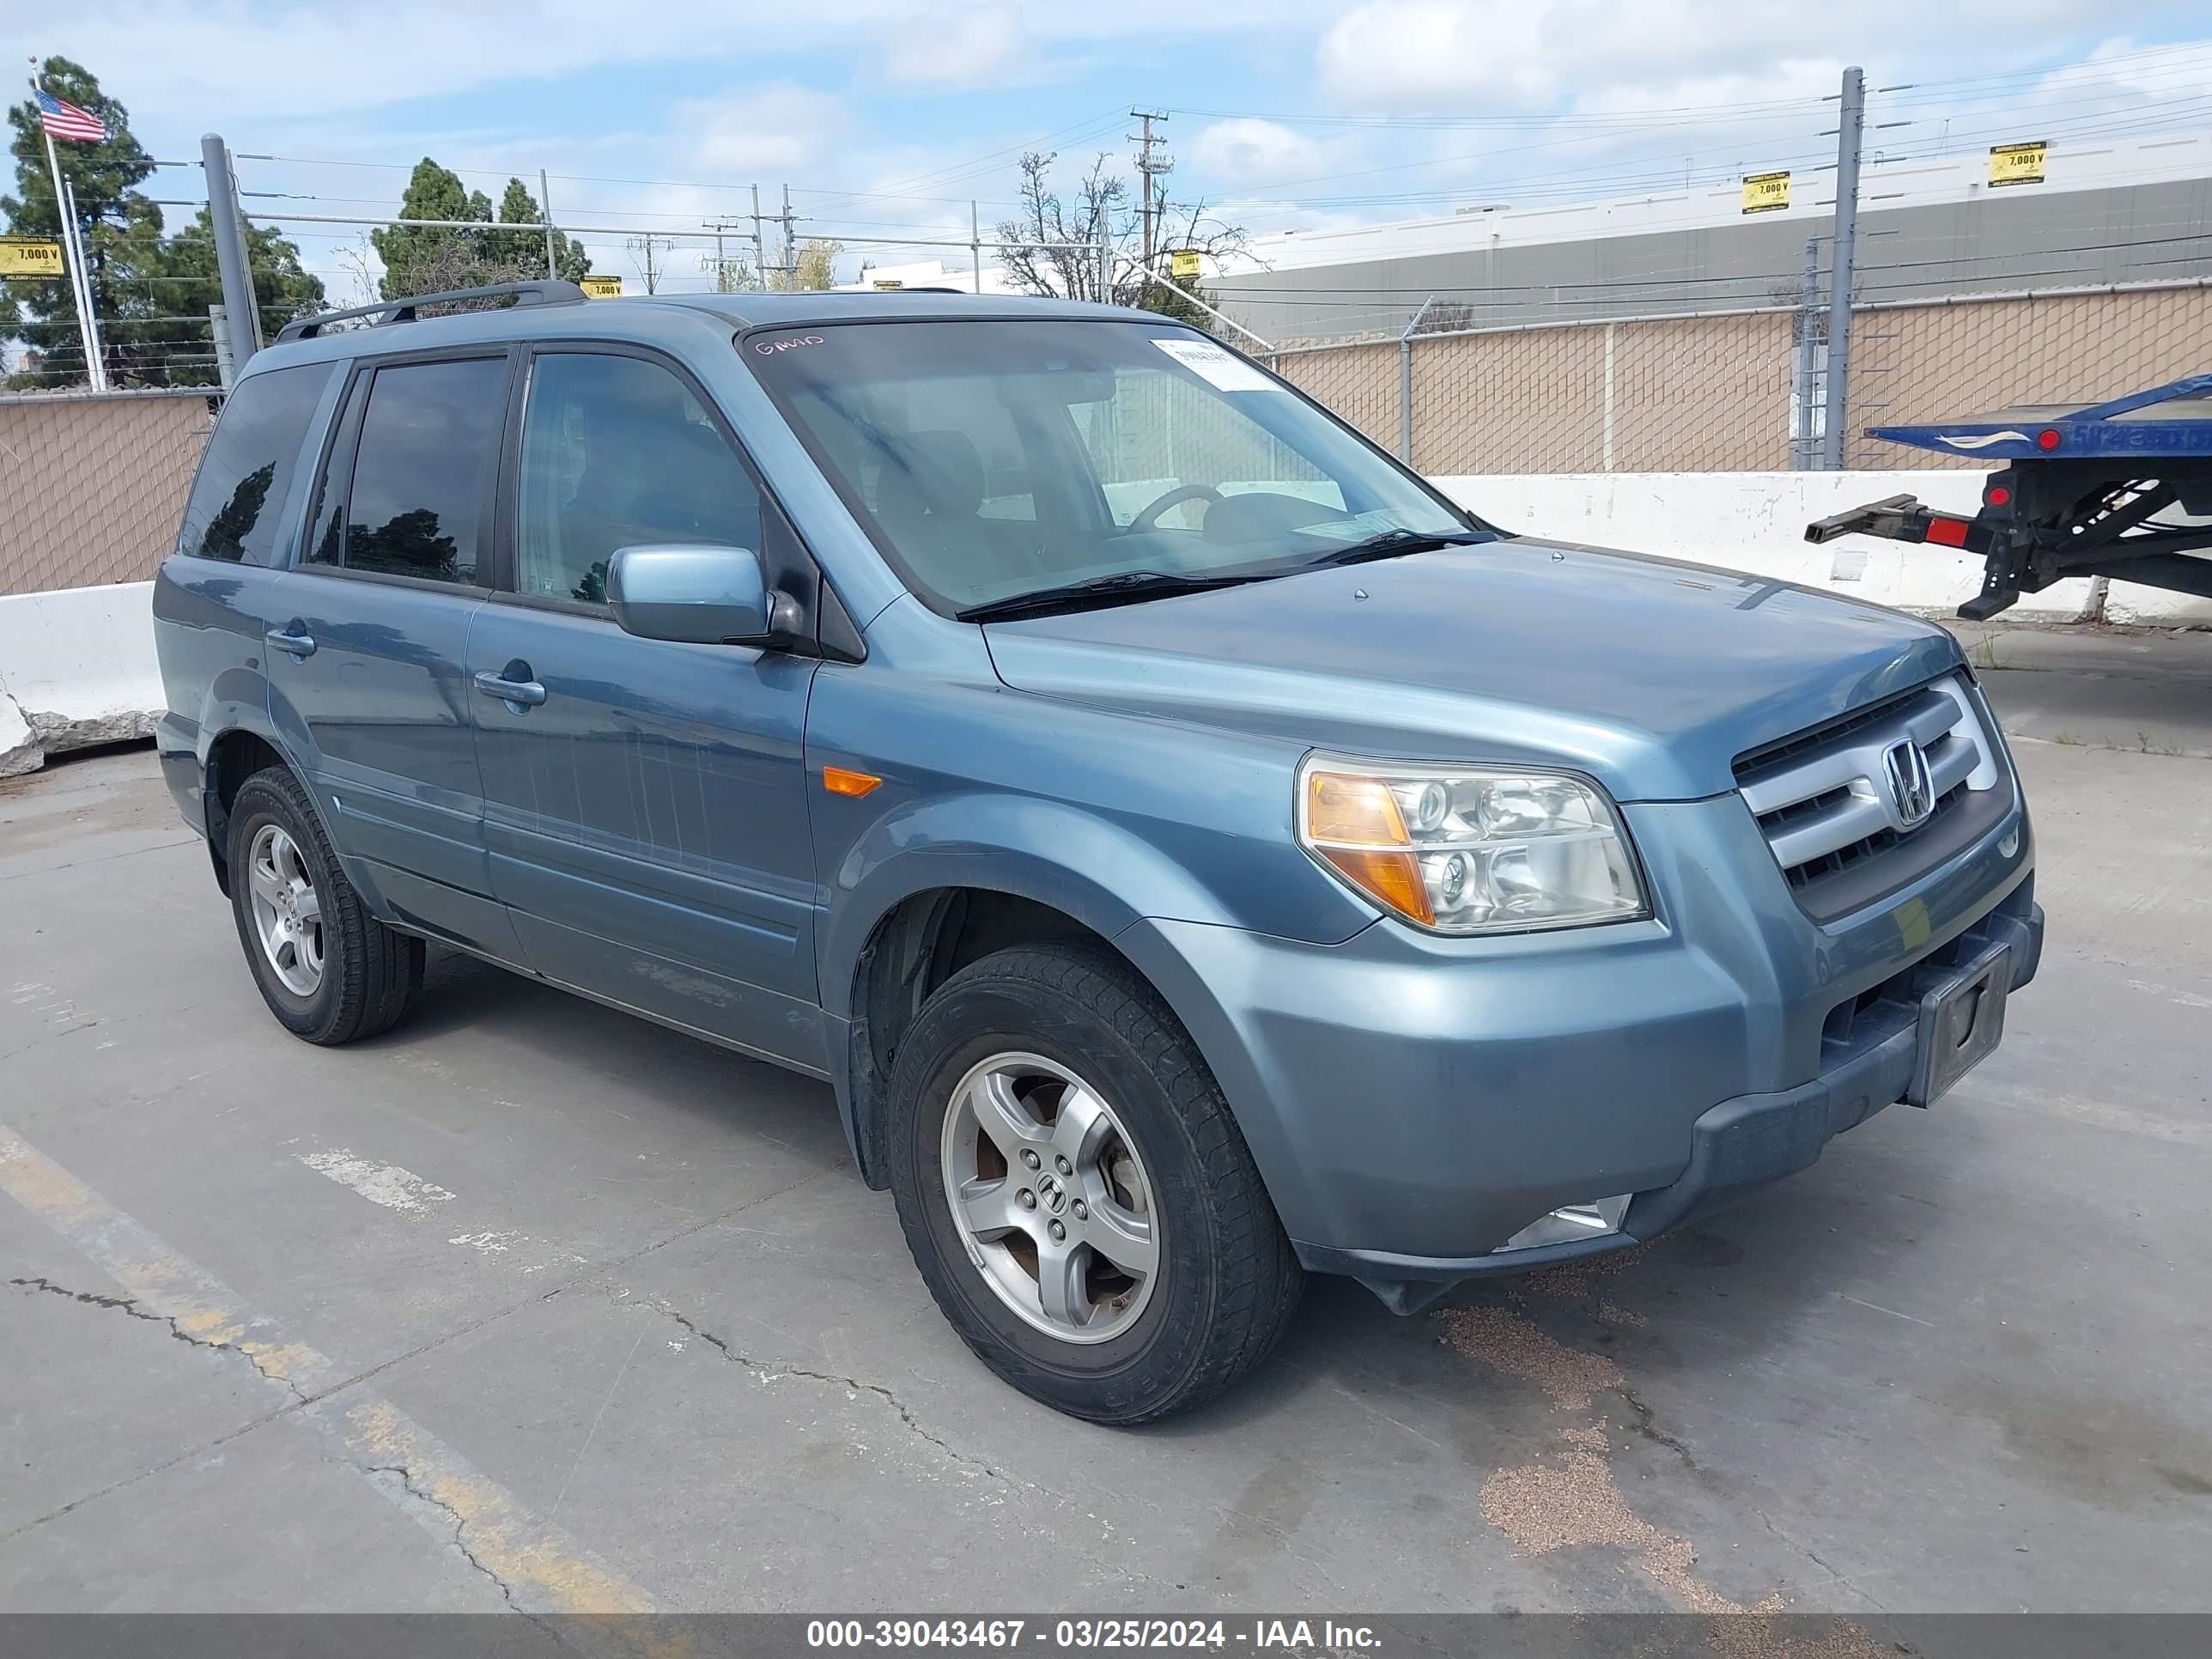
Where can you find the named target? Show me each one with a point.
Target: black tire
(371, 974)
(1228, 1282)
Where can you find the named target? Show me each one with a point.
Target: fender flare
(238, 701)
(1073, 860)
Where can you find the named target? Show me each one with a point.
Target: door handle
(517, 695)
(301, 646)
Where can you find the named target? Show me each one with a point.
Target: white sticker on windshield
(1218, 368)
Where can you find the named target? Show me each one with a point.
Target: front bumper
(1414, 1102)
(1735, 1147)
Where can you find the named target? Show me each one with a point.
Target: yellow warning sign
(1182, 263)
(2017, 164)
(23, 255)
(602, 288)
(1765, 192)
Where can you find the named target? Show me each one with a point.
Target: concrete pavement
(531, 1305)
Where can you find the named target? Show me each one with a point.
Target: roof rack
(540, 293)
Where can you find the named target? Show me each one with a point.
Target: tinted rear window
(238, 500)
(422, 476)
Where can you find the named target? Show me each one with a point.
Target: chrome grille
(1825, 805)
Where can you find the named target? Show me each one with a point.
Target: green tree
(433, 259)
(121, 231)
(527, 248)
(282, 290)
(422, 259)
(813, 266)
(150, 293)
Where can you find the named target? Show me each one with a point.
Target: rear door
(367, 661)
(212, 601)
(645, 801)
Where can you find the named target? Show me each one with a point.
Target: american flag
(64, 119)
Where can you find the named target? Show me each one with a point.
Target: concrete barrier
(76, 668)
(1754, 522)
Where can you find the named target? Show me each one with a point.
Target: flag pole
(91, 313)
(80, 279)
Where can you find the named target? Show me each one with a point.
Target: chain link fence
(1930, 361)
(94, 486)
(1742, 391)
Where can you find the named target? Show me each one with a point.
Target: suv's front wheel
(1075, 1192)
(329, 971)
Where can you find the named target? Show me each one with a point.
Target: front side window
(238, 498)
(994, 459)
(422, 469)
(616, 453)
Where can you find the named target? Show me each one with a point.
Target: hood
(1650, 675)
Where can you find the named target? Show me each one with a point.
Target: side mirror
(697, 595)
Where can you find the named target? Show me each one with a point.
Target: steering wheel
(1148, 519)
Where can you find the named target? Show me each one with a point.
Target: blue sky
(886, 116)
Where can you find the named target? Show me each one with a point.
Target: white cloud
(973, 48)
(1435, 52)
(202, 61)
(1248, 150)
(749, 131)
(1521, 55)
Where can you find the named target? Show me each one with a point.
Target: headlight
(1470, 850)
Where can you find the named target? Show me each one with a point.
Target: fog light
(1569, 1223)
(2009, 845)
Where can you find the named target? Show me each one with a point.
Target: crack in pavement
(423, 1494)
(1646, 1427)
(771, 1370)
(1815, 1557)
(767, 1370)
(129, 1305)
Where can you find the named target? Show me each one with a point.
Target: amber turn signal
(1355, 823)
(840, 781)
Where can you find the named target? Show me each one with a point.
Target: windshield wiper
(1121, 586)
(1390, 543)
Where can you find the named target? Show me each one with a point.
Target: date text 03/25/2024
(1257, 1635)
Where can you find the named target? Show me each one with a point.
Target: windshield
(994, 459)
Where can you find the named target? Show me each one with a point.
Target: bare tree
(1054, 247)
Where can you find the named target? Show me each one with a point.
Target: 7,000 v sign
(23, 256)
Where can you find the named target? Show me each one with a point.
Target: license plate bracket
(1961, 1021)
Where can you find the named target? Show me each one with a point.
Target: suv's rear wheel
(1075, 1192)
(330, 971)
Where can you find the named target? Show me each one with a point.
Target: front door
(370, 640)
(644, 800)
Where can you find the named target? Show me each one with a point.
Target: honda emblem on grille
(1911, 789)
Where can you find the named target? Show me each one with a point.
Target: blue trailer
(2122, 488)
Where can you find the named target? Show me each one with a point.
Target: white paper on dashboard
(1218, 368)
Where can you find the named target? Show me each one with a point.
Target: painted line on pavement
(537, 1566)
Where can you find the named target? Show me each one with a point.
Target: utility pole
(760, 248)
(1851, 129)
(1151, 163)
(545, 201)
(790, 247)
(723, 284)
(230, 249)
(647, 246)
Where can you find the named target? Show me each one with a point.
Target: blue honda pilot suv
(1196, 852)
